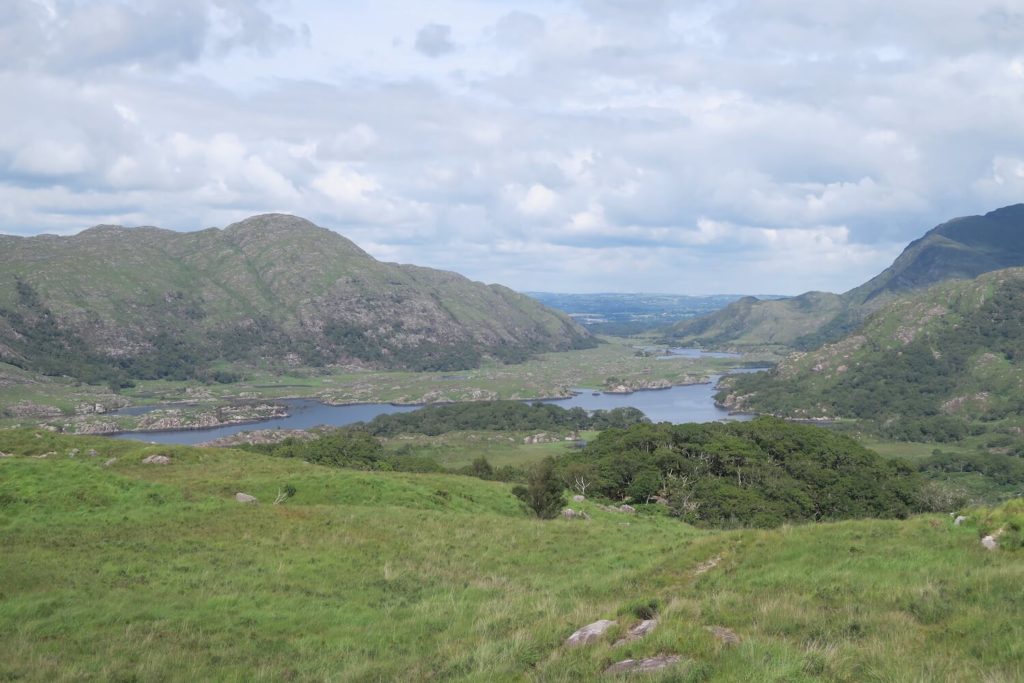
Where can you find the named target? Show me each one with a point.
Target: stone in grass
(578, 498)
(643, 665)
(990, 542)
(110, 462)
(569, 513)
(727, 636)
(590, 633)
(156, 460)
(92, 453)
(959, 520)
(638, 631)
(6, 455)
(627, 508)
(245, 498)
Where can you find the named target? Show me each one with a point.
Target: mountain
(632, 313)
(962, 248)
(953, 350)
(756, 322)
(113, 303)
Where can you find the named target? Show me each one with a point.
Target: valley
(591, 341)
(352, 514)
(615, 365)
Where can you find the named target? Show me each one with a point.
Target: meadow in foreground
(154, 572)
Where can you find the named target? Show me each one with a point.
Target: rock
(708, 565)
(578, 499)
(660, 500)
(245, 498)
(627, 508)
(725, 635)
(569, 513)
(990, 542)
(92, 453)
(643, 665)
(590, 633)
(45, 455)
(73, 452)
(584, 516)
(638, 631)
(110, 462)
(156, 460)
(6, 455)
(959, 520)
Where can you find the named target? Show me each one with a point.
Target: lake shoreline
(686, 402)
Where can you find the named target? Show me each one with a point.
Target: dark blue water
(692, 403)
(303, 414)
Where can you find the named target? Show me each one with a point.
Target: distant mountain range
(632, 313)
(115, 303)
(962, 248)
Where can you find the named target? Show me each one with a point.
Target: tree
(481, 468)
(579, 476)
(543, 492)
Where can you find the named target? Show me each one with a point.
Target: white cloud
(800, 142)
(344, 185)
(537, 201)
(52, 158)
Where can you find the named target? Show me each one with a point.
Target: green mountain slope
(755, 322)
(954, 350)
(962, 248)
(146, 302)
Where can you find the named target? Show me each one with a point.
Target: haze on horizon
(570, 145)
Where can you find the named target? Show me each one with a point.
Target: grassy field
(150, 572)
(458, 449)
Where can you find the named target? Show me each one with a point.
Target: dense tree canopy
(760, 473)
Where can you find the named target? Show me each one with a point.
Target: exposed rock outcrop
(643, 665)
(638, 631)
(590, 633)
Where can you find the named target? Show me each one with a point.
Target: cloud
(736, 146)
(519, 29)
(80, 35)
(435, 40)
(537, 201)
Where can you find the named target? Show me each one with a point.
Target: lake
(691, 403)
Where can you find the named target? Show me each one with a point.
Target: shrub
(543, 491)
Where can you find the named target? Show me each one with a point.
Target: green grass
(910, 451)
(458, 449)
(147, 572)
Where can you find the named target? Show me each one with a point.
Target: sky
(727, 146)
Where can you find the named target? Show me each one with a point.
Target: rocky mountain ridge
(962, 248)
(114, 303)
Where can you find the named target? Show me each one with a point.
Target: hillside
(121, 303)
(953, 350)
(962, 248)
(130, 571)
(751, 322)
